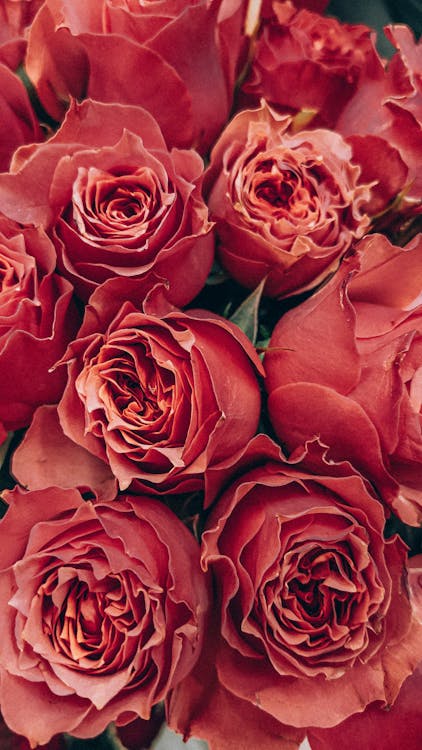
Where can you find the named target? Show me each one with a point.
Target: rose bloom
(114, 200)
(95, 48)
(327, 73)
(157, 394)
(37, 320)
(287, 205)
(315, 621)
(346, 365)
(307, 62)
(98, 617)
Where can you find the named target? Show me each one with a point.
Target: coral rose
(311, 598)
(115, 201)
(346, 366)
(159, 395)
(98, 617)
(37, 320)
(287, 206)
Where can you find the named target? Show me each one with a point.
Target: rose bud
(115, 201)
(287, 206)
(98, 617)
(345, 365)
(307, 63)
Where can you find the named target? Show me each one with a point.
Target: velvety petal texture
(98, 618)
(398, 726)
(346, 366)
(16, 17)
(115, 201)
(287, 205)
(311, 598)
(192, 48)
(200, 706)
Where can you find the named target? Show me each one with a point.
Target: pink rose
(98, 617)
(95, 49)
(312, 608)
(346, 365)
(115, 201)
(37, 320)
(160, 395)
(287, 205)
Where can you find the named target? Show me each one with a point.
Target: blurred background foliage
(379, 13)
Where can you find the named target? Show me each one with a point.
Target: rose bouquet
(211, 376)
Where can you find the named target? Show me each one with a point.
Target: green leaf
(246, 315)
(108, 740)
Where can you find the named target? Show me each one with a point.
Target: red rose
(387, 143)
(346, 365)
(307, 62)
(98, 617)
(96, 48)
(328, 73)
(311, 598)
(158, 394)
(37, 320)
(287, 206)
(115, 201)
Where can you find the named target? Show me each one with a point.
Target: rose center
(277, 192)
(320, 588)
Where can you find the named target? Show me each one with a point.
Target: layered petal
(99, 621)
